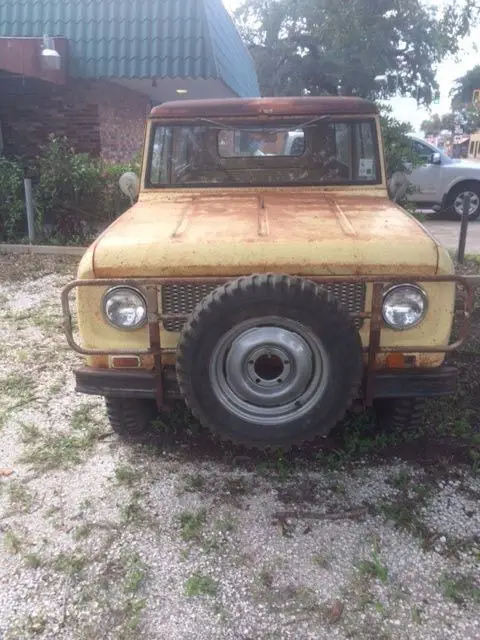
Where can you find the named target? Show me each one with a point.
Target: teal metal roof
(139, 38)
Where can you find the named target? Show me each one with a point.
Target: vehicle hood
(308, 233)
(465, 164)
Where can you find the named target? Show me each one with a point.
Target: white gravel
(84, 556)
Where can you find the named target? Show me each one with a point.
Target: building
(104, 63)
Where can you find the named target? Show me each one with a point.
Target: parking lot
(364, 535)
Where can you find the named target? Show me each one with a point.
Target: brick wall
(98, 117)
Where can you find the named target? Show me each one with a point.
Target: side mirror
(436, 158)
(398, 186)
(130, 185)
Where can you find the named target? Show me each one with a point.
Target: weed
(81, 419)
(194, 482)
(459, 590)
(373, 568)
(127, 475)
(225, 525)
(132, 611)
(191, 524)
(402, 513)
(266, 578)
(135, 573)
(71, 564)
(21, 498)
(30, 433)
(61, 450)
(321, 560)
(417, 615)
(83, 531)
(401, 480)
(33, 560)
(200, 585)
(17, 385)
(13, 543)
(133, 510)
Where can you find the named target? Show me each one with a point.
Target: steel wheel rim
(269, 371)
(474, 203)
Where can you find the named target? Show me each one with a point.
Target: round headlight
(125, 308)
(404, 306)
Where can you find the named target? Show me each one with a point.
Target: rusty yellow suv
(265, 277)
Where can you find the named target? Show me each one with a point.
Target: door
(426, 177)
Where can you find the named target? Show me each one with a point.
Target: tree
(436, 124)
(314, 46)
(462, 92)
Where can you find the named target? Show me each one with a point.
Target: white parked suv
(441, 183)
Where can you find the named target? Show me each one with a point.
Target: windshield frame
(294, 122)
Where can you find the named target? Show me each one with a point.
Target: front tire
(456, 197)
(269, 361)
(131, 417)
(400, 414)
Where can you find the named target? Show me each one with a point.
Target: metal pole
(30, 209)
(463, 229)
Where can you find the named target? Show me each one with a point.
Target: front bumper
(391, 383)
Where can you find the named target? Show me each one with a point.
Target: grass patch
(61, 450)
(194, 482)
(13, 544)
(71, 564)
(192, 525)
(373, 568)
(461, 589)
(133, 511)
(200, 585)
(33, 560)
(17, 385)
(127, 475)
(21, 499)
(135, 573)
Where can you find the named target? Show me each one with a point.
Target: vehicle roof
(307, 106)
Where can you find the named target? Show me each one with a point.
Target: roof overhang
(169, 89)
(23, 56)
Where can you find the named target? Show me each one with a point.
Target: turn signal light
(396, 361)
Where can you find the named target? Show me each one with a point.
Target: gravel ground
(172, 540)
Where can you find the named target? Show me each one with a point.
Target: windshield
(318, 153)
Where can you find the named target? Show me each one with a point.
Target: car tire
(269, 362)
(455, 198)
(400, 414)
(131, 417)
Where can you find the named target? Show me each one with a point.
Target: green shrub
(12, 207)
(75, 194)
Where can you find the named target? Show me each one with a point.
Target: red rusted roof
(264, 106)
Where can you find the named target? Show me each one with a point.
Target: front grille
(178, 299)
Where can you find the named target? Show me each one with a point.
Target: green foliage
(312, 47)
(462, 92)
(75, 193)
(12, 208)
(396, 142)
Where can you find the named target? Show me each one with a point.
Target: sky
(406, 109)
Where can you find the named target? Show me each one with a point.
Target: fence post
(463, 229)
(30, 209)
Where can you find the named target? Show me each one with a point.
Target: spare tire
(269, 361)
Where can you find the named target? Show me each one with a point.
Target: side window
(421, 151)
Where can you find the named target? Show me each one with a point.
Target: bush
(12, 208)
(75, 194)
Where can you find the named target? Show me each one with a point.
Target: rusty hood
(309, 233)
